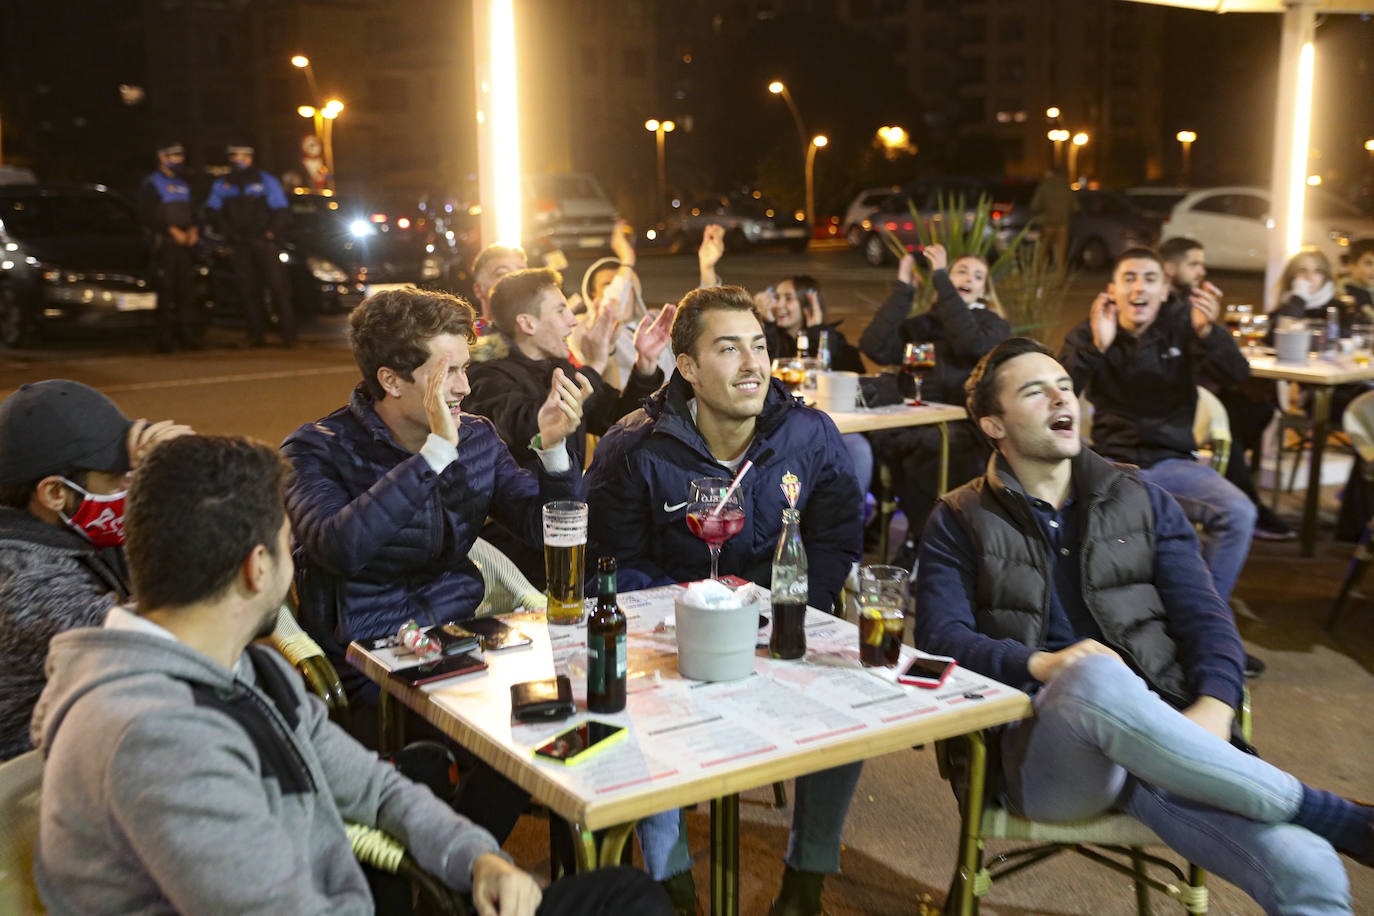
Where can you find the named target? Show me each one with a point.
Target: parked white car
(864, 205)
(1234, 223)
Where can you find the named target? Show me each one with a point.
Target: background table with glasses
(1323, 376)
(693, 741)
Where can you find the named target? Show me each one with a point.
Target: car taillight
(378, 217)
(996, 214)
(890, 227)
(908, 226)
(544, 205)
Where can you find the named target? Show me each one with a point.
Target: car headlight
(326, 271)
(361, 228)
(429, 268)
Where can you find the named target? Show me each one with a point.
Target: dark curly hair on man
(393, 328)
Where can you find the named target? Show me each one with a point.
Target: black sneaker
(1253, 666)
(1269, 527)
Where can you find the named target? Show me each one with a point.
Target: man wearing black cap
(250, 207)
(164, 206)
(66, 452)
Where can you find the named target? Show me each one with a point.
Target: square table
(694, 741)
(895, 416)
(1323, 376)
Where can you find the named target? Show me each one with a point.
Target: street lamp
(777, 87)
(329, 113)
(1186, 137)
(1369, 146)
(658, 129)
(1058, 136)
(1052, 113)
(1079, 139)
(301, 62)
(816, 143)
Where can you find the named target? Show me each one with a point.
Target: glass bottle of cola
(789, 589)
(607, 654)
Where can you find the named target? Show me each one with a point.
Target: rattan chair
(21, 782)
(1358, 421)
(1212, 430)
(1116, 841)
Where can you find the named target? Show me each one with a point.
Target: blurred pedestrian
(250, 208)
(1054, 204)
(164, 206)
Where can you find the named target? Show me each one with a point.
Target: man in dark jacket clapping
(720, 409)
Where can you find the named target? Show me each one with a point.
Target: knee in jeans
(1100, 679)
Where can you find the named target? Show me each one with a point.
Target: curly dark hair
(197, 507)
(691, 311)
(981, 387)
(393, 328)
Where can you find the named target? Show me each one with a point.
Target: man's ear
(256, 569)
(992, 427)
(51, 493)
(525, 323)
(390, 380)
(687, 367)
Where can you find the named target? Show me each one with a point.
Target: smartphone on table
(927, 671)
(495, 634)
(580, 741)
(445, 667)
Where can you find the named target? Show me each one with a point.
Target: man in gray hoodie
(188, 771)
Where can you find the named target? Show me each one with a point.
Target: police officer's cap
(237, 149)
(172, 148)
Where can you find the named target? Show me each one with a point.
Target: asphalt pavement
(1310, 711)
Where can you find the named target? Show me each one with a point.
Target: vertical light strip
(505, 124)
(1302, 124)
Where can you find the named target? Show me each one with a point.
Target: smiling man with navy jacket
(720, 409)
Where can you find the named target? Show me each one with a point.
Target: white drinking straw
(744, 469)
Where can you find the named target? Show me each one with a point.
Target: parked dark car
(749, 218)
(1106, 224)
(337, 252)
(70, 258)
(1010, 212)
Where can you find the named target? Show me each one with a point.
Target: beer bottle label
(622, 661)
(596, 667)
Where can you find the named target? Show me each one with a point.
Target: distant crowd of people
(188, 769)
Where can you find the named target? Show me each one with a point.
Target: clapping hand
(814, 315)
(906, 270)
(620, 243)
(143, 436)
(710, 252)
(937, 256)
(561, 413)
(1102, 319)
(650, 339)
(1206, 305)
(597, 335)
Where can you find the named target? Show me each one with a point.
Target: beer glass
(565, 556)
(882, 616)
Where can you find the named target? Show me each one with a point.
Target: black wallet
(542, 700)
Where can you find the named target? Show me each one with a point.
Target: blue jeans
(1226, 514)
(819, 806)
(1101, 740)
(861, 452)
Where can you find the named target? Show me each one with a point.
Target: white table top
(893, 416)
(692, 741)
(1312, 372)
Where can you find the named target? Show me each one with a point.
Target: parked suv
(749, 218)
(569, 210)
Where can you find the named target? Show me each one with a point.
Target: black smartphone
(495, 634)
(580, 742)
(446, 667)
(929, 672)
(454, 639)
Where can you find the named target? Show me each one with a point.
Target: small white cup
(837, 390)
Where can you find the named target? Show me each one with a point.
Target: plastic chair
(1113, 840)
(21, 783)
(1212, 427)
(1358, 421)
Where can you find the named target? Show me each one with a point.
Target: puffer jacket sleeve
(967, 337)
(341, 533)
(831, 526)
(620, 501)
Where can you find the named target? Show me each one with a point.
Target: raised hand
(143, 436)
(1102, 320)
(937, 256)
(1206, 305)
(561, 413)
(814, 315)
(906, 270)
(710, 252)
(650, 339)
(436, 403)
(620, 243)
(597, 335)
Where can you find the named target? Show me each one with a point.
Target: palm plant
(1032, 293)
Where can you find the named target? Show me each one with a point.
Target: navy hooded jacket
(641, 476)
(381, 538)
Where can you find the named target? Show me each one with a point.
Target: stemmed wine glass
(917, 360)
(712, 526)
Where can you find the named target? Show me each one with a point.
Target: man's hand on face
(1206, 305)
(561, 412)
(501, 889)
(937, 256)
(1213, 715)
(1046, 666)
(620, 243)
(436, 403)
(595, 344)
(650, 339)
(142, 436)
(1102, 320)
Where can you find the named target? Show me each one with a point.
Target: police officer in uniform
(250, 207)
(164, 206)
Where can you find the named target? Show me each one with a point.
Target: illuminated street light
(1059, 136)
(333, 105)
(816, 143)
(1051, 113)
(892, 137)
(658, 129)
(300, 61)
(776, 87)
(1080, 139)
(1314, 180)
(1186, 137)
(306, 111)
(1302, 125)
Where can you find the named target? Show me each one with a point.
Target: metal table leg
(944, 458)
(725, 856)
(612, 845)
(1321, 417)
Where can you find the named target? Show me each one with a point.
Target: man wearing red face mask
(66, 454)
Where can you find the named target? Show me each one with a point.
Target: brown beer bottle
(607, 654)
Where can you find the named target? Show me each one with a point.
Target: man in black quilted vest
(1067, 575)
